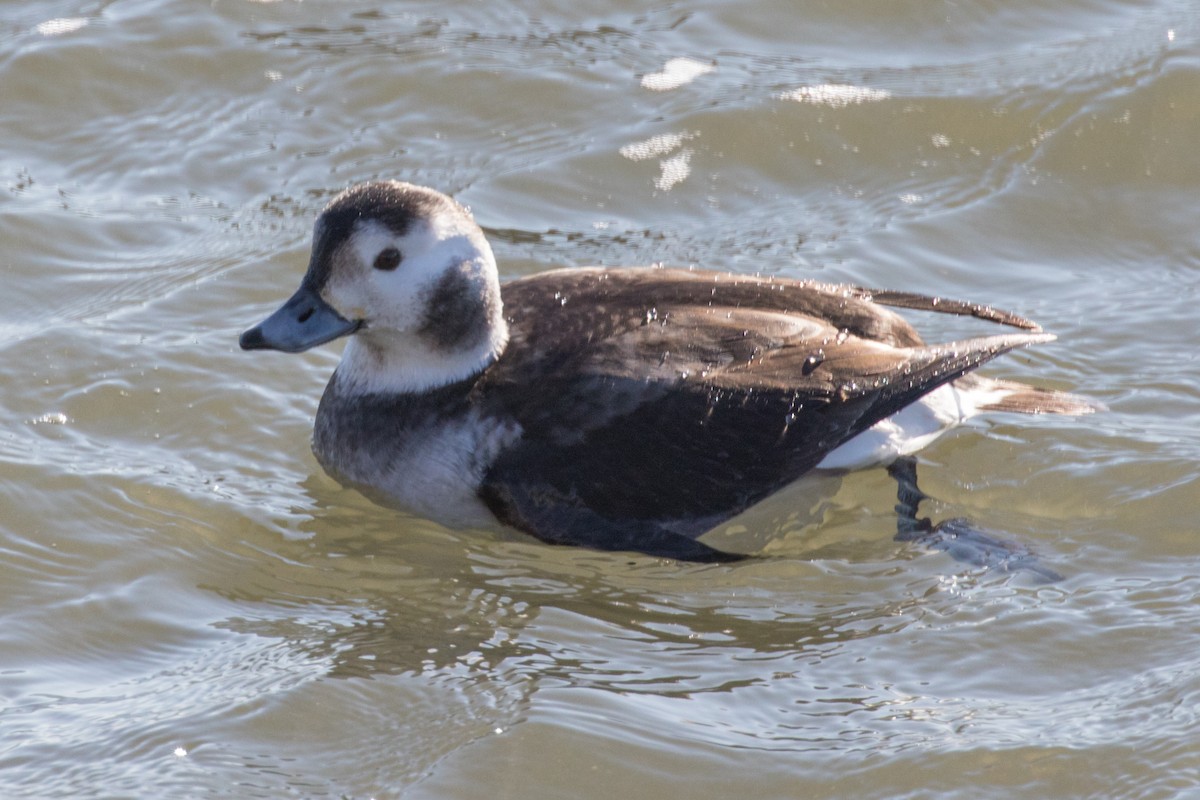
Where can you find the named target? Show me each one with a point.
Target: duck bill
(304, 321)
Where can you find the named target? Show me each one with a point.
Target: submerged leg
(958, 537)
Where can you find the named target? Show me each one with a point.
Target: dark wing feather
(532, 301)
(942, 305)
(574, 303)
(680, 399)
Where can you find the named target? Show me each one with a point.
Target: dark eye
(388, 259)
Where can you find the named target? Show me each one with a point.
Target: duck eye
(388, 259)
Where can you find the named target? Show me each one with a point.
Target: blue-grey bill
(304, 321)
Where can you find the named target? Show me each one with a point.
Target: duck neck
(390, 362)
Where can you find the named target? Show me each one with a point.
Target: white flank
(910, 429)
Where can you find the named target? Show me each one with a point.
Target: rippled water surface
(192, 609)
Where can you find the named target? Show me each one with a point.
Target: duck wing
(653, 410)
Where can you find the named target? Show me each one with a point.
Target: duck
(614, 408)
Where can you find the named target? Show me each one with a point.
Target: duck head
(407, 273)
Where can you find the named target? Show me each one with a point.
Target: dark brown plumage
(657, 403)
(622, 409)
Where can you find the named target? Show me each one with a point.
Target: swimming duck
(614, 408)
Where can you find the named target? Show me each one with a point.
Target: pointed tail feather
(1022, 398)
(935, 365)
(954, 362)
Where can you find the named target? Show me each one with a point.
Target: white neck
(395, 363)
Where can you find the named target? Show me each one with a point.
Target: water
(191, 609)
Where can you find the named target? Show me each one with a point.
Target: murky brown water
(191, 609)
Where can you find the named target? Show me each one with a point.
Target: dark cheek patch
(339, 266)
(456, 312)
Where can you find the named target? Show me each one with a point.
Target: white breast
(436, 473)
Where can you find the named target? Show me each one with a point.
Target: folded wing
(679, 403)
